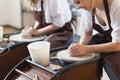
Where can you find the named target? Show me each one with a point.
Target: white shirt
(56, 11)
(86, 21)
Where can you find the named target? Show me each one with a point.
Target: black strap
(42, 16)
(107, 12)
(96, 26)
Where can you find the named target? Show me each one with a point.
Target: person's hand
(26, 30)
(77, 49)
(34, 31)
(30, 31)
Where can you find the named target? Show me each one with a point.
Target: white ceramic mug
(39, 52)
(1, 33)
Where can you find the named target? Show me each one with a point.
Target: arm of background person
(46, 30)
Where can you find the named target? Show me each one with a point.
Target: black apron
(112, 59)
(57, 38)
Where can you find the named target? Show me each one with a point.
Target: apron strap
(107, 13)
(42, 15)
(99, 29)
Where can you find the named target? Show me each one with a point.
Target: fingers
(27, 27)
(76, 49)
(70, 46)
(72, 49)
(27, 30)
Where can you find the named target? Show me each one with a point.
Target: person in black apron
(53, 18)
(107, 41)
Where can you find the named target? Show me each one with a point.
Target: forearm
(48, 29)
(85, 38)
(103, 48)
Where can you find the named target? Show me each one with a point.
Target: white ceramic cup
(1, 33)
(39, 52)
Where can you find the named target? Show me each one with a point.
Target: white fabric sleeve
(115, 21)
(60, 12)
(86, 21)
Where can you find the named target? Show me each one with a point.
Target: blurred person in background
(52, 18)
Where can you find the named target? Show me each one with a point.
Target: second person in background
(52, 18)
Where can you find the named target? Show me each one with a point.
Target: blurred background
(15, 13)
